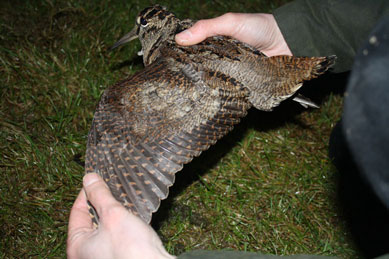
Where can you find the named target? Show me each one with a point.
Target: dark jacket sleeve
(329, 27)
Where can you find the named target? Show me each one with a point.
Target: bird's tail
(285, 75)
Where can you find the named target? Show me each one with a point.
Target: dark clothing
(340, 27)
(329, 27)
(366, 111)
(359, 146)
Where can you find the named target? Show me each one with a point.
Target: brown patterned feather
(149, 125)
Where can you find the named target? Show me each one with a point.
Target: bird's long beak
(126, 38)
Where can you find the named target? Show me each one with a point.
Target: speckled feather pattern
(149, 125)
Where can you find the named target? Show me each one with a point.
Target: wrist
(278, 45)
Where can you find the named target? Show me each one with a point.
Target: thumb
(222, 25)
(98, 192)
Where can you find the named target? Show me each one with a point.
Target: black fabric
(366, 111)
(365, 215)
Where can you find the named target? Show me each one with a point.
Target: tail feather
(325, 64)
(282, 76)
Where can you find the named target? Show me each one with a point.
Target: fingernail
(90, 179)
(183, 36)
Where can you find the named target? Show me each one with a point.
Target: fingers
(98, 193)
(82, 237)
(79, 215)
(259, 30)
(80, 224)
(223, 25)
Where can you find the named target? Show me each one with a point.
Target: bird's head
(153, 26)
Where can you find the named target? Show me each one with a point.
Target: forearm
(328, 27)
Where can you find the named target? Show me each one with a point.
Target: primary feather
(149, 125)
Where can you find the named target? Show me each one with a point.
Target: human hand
(259, 30)
(120, 233)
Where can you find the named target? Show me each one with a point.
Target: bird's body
(185, 99)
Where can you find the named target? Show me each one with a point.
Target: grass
(269, 186)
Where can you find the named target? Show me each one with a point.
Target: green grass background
(269, 186)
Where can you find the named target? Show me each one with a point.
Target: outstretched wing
(147, 126)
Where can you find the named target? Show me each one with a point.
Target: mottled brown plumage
(149, 125)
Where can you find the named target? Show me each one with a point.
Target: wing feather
(145, 129)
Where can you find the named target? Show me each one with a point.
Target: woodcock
(149, 125)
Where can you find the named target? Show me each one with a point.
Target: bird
(148, 126)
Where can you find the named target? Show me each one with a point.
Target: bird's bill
(132, 35)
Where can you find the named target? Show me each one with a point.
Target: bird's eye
(143, 22)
